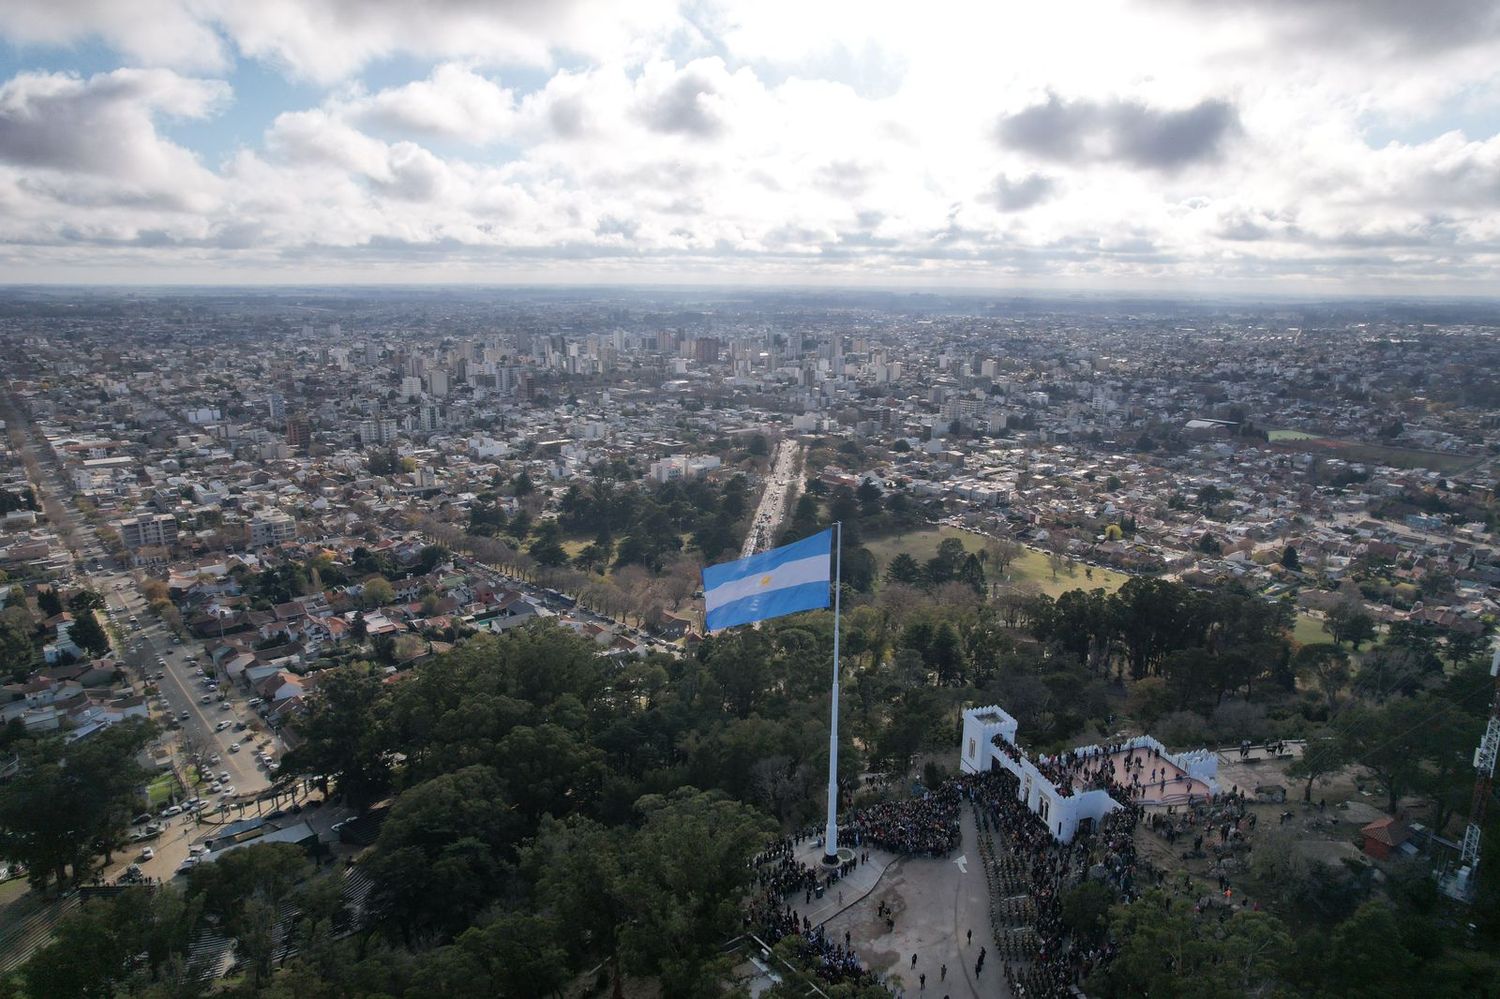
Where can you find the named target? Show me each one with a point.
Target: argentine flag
(781, 581)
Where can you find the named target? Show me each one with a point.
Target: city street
(774, 498)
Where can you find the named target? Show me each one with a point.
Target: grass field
(160, 790)
(1309, 630)
(1030, 567)
(1373, 454)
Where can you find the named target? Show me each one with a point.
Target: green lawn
(160, 790)
(1309, 630)
(1288, 435)
(1031, 566)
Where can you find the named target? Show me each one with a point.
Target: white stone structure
(989, 730)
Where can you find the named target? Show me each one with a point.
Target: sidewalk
(849, 890)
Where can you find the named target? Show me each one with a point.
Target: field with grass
(1373, 454)
(1309, 630)
(160, 790)
(1030, 567)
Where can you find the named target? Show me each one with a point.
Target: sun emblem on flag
(765, 580)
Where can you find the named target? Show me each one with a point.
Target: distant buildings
(681, 466)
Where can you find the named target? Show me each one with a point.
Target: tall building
(706, 350)
(148, 531)
(270, 528)
(276, 402)
(298, 432)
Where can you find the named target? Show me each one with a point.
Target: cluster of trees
(1217, 642)
(12, 500)
(952, 564)
(70, 803)
(1413, 723)
(20, 631)
(628, 523)
(549, 791)
(373, 570)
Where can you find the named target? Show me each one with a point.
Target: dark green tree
(344, 736)
(88, 635)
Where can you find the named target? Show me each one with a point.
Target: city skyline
(1344, 149)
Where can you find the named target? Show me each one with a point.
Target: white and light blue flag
(784, 580)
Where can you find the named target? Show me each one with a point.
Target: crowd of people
(1030, 872)
(1046, 870)
(926, 826)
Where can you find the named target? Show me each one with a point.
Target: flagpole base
(833, 861)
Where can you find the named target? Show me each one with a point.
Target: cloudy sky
(1278, 146)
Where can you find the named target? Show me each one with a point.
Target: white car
(227, 792)
(224, 776)
(234, 747)
(171, 810)
(221, 726)
(148, 854)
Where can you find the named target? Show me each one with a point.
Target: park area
(1371, 454)
(1030, 567)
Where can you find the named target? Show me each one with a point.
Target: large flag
(781, 581)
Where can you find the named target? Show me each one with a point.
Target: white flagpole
(831, 851)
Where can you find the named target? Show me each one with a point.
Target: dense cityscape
(384, 610)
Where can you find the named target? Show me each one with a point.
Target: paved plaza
(933, 903)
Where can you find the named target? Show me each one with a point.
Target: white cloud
(1168, 142)
(94, 141)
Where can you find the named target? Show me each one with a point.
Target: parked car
(148, 854)
(234, 747)
(171, 810)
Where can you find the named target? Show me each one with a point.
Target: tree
(88, 635)
(522, 485)
(684, 903)
(577, 870)
(441, 855)
(376, 592)
(344, 736)
(245, 890)
(1348, 621)
(1323, 755)
(17, 653)
(98, 948)
(49, 602)
(1367, 957)
(904, 569)
(1325, 666)
(594, 557)
(858, 570)
(1377, 739)
(85, 600)
(1085, 907)
(520, 954)
(67, 799)
(547, 550)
